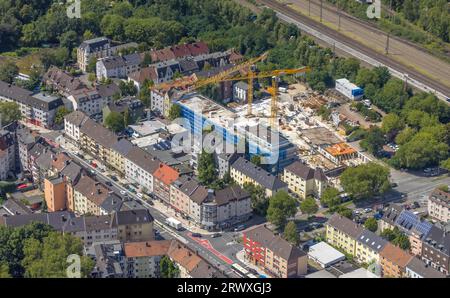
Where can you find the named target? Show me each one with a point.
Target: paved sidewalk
(241, 257)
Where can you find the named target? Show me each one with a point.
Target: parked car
(394, 184)
(140, 195)
(216, 235)
(150, 203)
(415, 205)
(122, 192)
(367, 210)
(114, 178)
(197, 235)
(108, 183)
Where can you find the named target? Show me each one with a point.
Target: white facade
(138, 175)
(348, 89)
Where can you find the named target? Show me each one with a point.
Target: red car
(22, 186)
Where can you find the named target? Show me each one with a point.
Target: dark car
(415, 205)
(239, 228)
(114, 178)
(308, 229)
(216, 235)
(198, 235)
(150, 203)
(108, 183)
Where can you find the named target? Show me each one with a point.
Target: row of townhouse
(98, 48)
(89, 100)
(368, 248)
(118, 66)
(143, 259)
(274, 254)
(125, 225)
(304, 181)
(36, 108)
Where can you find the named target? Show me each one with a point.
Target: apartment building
(131, 105)
(97, 48)
(418, 269)
(7, 154)
(368, 247)
(274, 254)
(86, 100)
(55, 194)
(92, 197)
(439, 205)
(341, 232)
(140, 166)
(304, 181)
(118, 66)
(134, 225)
(73, 123)
(92, 229)
(26, 139)
(163, 177)
(61, 81)
(97, 140)
(143, 258)
(36, 108)
(118, 154)
(393, 261)
(243, 171)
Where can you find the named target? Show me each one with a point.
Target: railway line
(358, 50)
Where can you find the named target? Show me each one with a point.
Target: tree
(405, 135)
(309, 206)
(366, 180)
(9, 112)
(374, 140)
(168, 268)
(48, 258)
(281, 207)
(391, 125)
(92, 64)
(330, 197)
(114, 121)
(68, 39)
(260, 202)
(371, 224)
(206, 168)
(174, 112)
(4, 271)
(346, 212)
(91, 77)
(421, 151)
(446, 164)
(256, 160)
(291, 234)
(396, 237)
(8, 71)
(60, 113)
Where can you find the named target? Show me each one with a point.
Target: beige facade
(304, 181)
(439, 205)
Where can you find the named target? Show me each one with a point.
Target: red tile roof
(165, 174)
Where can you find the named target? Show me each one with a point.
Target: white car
(122, 192)
(367, 210)
(139, 195)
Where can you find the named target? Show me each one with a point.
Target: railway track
(360, 51)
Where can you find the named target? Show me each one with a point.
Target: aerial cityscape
(225, 139)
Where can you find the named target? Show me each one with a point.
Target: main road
(405, 61)
(208, 248)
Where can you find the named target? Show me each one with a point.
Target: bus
(240, 270)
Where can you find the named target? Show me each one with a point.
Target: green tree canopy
(260, 202)
(291, 233)
(60, 113)
(371, 224)
(168, 268)
(309, 206)
(9, 112)
(174, 112)
(281, 207)
(330, 197)
(206, 168)
(114, 121)
(8, 71)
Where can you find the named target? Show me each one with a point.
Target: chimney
(147, 244)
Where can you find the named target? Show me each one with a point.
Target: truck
(174, 223)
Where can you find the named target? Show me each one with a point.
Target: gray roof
(346, 226)
(133, 59)
(99, 133)
(107, 90)
(55, 219)
(39, 101)
(112, 203)
(371, 240)
(275, 243)
(77, 118)
(123, 146)
(392, 213)
(423, 269)
(112, 62)
(301, 170)
(143, 159)
(230, 193)
(72, 171)
(127, 217)
(94, 43)
(15, 207)
(261, 176)
(438, 239)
